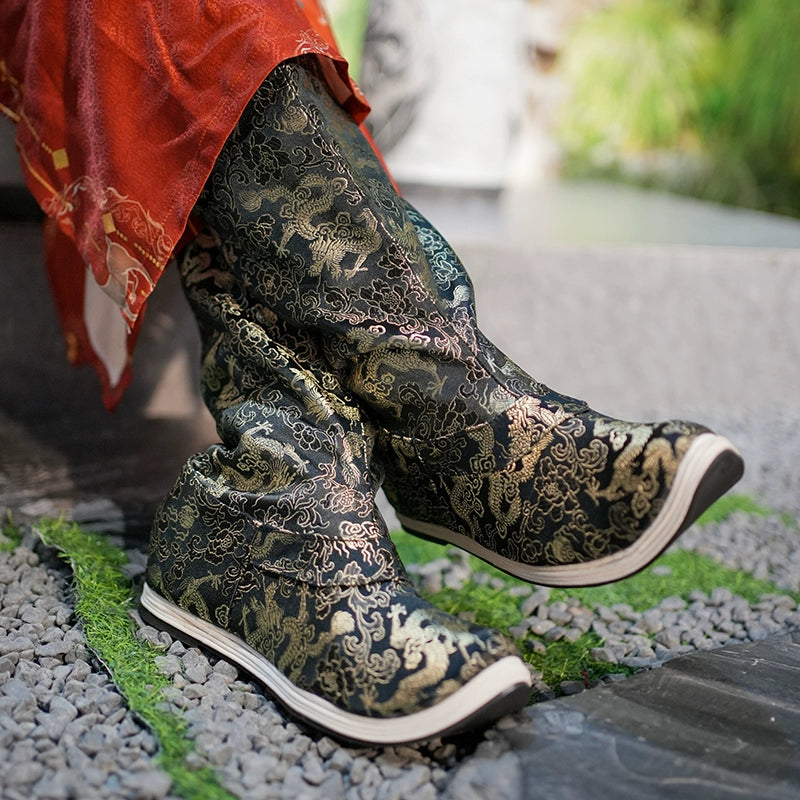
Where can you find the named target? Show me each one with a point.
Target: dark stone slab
(60, 450)
(718, 724)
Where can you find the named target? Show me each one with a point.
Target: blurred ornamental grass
(348, 20)
(696, 96)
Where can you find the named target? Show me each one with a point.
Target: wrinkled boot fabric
(475, 452)
(271, 551)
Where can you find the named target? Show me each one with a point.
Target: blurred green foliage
(697, 96)
(349, 23)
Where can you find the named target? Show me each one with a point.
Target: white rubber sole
(498, 690)
(710, 467)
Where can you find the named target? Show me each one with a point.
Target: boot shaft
(316, 231)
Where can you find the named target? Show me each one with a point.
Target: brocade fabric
(274, 535)
(309, 222)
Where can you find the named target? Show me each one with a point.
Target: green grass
(689, 96)
(103, 605)
(637, 72)
(688, 572)
(10, 536)
(571, 661)
(729, 504)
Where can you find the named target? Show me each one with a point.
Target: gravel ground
(66, 732)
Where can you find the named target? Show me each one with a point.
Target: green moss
(415, 549)
(570, 661)
(676, 573)
(789, 521)
(103, 605)
(729, 504)
(484, 604)
(10, 536)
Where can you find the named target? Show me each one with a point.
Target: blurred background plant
(349, 22)
(696, 96)
(700, 97)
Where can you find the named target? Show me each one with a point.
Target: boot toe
(591, 500)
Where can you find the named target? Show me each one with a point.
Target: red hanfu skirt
(121, 110)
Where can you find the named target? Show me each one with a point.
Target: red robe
(121, 110)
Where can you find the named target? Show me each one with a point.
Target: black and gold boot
(270, 550)
(475, 451)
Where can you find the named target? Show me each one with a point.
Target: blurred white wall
(468, 115)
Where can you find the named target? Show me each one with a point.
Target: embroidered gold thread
(60, 158)
(468, 440)
(281, 543)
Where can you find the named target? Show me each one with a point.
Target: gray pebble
(541, 626)
(332, 787)
(605, 654)
(149, 785)
(432, 582)
(672, 604)
(33, 615)
(573, 634)
(16, 644)
(651, 621)
(24, 773)
(582, 621)
(535, 646)
(532, 602)
(196, 666)
(555, 634)
(720, 596)
(605, 615)
(487, 779)
(559, 613)
(669, 638)
(53, 787)
(313, 771)
(635, 662)
(624, 611)
(17, 691)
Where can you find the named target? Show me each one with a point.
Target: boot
(270, 549)
(551, 491)
(475, 452)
